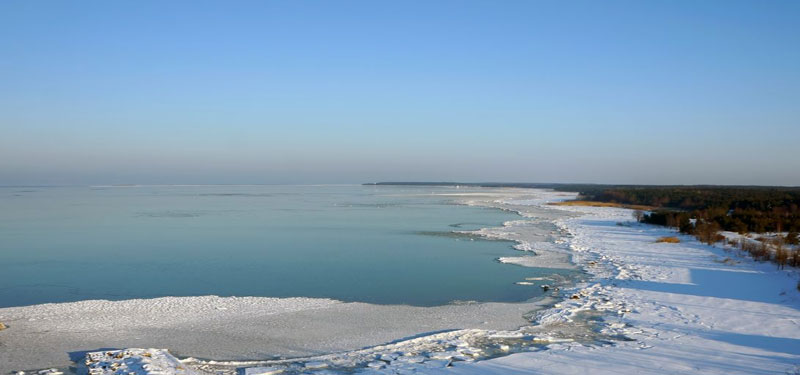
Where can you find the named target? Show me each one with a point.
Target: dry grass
(669, 240)
(602, 204)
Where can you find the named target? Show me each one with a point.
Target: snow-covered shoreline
(648, 307)
(686, 308)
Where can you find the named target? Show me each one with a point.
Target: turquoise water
(377, 244)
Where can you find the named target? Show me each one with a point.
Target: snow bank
(134, 361)
(230, 328)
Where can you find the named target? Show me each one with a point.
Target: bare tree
(794, 260)
(781, 254)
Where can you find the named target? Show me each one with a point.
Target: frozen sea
(374, 244)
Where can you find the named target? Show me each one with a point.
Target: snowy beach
(686, 308)
(645, 307)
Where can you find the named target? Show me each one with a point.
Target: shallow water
(377, 244)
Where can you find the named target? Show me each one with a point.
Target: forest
(739, 209)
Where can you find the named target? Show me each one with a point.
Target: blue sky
(655, 92)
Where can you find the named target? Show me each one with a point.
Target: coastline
(246, 328)
(681, 308)
(647, 307)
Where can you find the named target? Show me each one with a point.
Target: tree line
(691, 208)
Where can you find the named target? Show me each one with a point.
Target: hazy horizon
(197, 92)
(384, 183)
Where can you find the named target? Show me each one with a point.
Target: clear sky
(656, 92)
